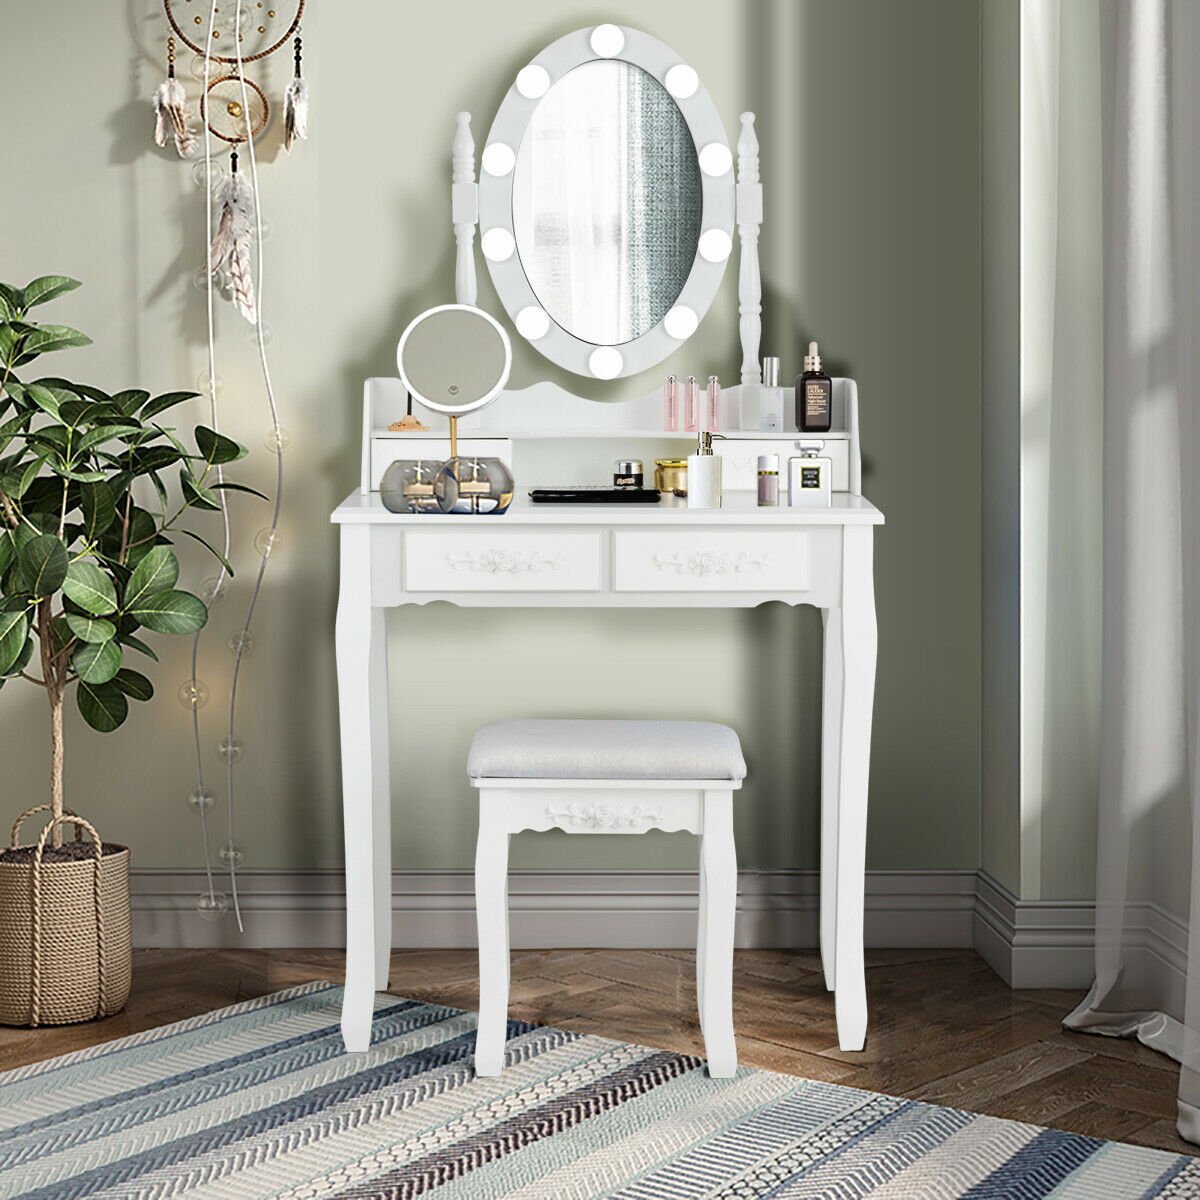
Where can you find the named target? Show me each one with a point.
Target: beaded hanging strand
(295, 104)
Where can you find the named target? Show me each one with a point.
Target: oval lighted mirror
(602, 195)
(606, 202)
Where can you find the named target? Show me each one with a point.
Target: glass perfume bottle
(671, 403)
(814, 395)
(771, 410)
(712, 404)
(691, 405)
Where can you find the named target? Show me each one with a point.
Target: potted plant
(86, 569)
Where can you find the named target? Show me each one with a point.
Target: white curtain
(1148, 869)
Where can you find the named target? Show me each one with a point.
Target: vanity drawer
(716, 561)
(496, 561)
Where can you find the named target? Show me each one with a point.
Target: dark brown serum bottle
(814, 396)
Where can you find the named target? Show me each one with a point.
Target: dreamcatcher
(226, 36)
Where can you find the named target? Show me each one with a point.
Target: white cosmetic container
(704, 475)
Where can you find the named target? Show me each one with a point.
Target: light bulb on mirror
(230, 749)
(193, 694)
(201, 801)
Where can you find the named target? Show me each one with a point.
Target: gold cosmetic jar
(670, 473)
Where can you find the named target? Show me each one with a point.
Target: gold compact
(670, 474)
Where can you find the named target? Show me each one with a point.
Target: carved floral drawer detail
(603, 817)
(712, 560)
(515, 562)
(499, 560)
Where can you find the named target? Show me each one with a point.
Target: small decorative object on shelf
(408, 485)
(408, 423)
(473, 485)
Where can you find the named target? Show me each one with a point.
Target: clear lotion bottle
(704, 474)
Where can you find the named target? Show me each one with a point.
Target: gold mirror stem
(453, 437)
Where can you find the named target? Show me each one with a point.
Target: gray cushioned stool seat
(527, 749)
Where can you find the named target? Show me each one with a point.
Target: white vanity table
(614, 556)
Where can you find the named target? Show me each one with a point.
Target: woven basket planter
(65, 931)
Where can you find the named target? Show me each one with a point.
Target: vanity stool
(617, 777)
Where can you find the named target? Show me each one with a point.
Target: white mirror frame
(497, 237)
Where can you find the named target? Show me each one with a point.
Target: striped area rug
(259, 1100)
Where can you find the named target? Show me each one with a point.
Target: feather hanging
(295, 103)
(232, 241)
(295, 113)
(170, 117)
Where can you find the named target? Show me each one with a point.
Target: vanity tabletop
(739, 508)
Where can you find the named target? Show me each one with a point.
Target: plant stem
(54, 692)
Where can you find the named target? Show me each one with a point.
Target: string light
(213, 591)
(267, 541)
(211, 906)
(278, 440)
(241, 643)
(230, 854)
(201, 801)
(230, 749)
(193, 693)
(206, 385)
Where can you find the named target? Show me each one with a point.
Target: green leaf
(228, 486)
(157, 572)
(89, 587)
(99, 508)
(97, 662)
(211, 549)
(134, 684)
(46, 287)
(103, 706)
(197, 494)
(46, 338)
(170, 612)
(44, 564)
(23, 658)
(154, 458)
(135, 643)
(162, 403)
(93, 437)
(90, 629)
(131, 400)
(48, 399)
(14, 628)
(216, 447)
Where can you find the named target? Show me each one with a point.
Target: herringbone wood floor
(943, 1027)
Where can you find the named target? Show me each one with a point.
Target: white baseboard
(548, 908)
(1042, 943)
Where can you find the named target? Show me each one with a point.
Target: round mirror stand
(607, 309)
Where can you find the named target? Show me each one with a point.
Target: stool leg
(720, 904)
(491, 915)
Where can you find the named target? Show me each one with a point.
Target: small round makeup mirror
(454, 358)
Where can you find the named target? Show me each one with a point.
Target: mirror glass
(454, 359)
(607, 202)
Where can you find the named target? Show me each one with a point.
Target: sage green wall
(869, 123)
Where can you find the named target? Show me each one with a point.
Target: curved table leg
(366, 793)
(858, 640)
(831, 750)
